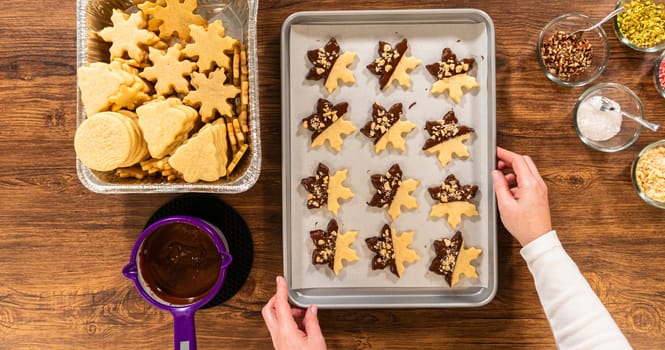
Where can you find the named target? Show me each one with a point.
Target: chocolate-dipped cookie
(447, 137)
(392, 192)
(386, 127)
(453, 200)
(393, 64)
(391, 250)
(327, 124)
(451, 75)
(332, 246)
(452, 259)
(330, 65)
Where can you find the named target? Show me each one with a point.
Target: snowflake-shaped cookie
(331, 247)
(393, 64)
(210, 46)
(393, 192)
(451, 75)
(391, 250)
(169, 71)
(326, 190)
(174, 18)
(452, 259)
(211, 94)
(386, 127)
(447, 137)
(128, 35)
(327, 124)
(330, 65)
(454, 200)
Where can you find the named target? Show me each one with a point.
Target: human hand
(280, 319)
(521, 196)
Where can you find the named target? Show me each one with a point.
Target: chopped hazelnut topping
(317, 186)
(323, 60)
(386, 186)
(442, 130)
(447, 251)
(388, 59)
(382, 120)
(449, 65)
(384, 248)
(325, 244)
(326, 114)
(451, 190)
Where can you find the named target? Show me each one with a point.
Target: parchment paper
(426, 41)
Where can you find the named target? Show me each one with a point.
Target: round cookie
(107, 141)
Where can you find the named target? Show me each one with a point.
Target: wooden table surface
(62, 247)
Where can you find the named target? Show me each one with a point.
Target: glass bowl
(648, 174)
(651, 48)
(586, 111)
(597, 38)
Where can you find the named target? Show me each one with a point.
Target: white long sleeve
(578, 318)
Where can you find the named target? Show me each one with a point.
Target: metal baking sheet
(469, 33)
(239, 18)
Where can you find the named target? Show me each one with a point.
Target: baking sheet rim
(300, 296)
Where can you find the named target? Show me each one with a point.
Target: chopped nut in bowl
(642, 25)
(572, 60)
(648, 174)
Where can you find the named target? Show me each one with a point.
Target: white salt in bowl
(607, 131)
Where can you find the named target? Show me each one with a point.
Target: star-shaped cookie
(326, 190)
(331, 247)
(393, 192)
(452, 259)
(128, 35)
(447, 137)
(451, 75)
(327, 124)
(386, 127)
(211, 94)
(330, 65)
(393, 64)
(391, 250)
(454, 200)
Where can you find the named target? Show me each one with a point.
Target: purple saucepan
(183, 314)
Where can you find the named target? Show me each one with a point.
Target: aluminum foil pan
(239, 18)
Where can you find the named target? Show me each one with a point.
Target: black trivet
(234, 228)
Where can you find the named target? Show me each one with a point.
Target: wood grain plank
(62, 247)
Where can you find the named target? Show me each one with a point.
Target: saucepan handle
(226, 259)
(184, 334)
